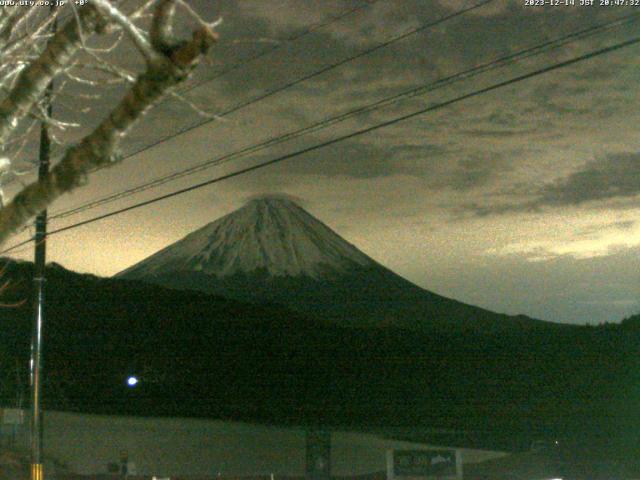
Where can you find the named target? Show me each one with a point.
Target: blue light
(132, 381)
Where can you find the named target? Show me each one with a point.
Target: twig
(99, 147)
(137, 36)
(34, 80)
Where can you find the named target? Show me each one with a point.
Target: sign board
(424, 464)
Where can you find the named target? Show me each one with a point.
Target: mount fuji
(273, 251)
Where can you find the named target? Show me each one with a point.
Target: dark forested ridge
(201, 355)
(273, 251)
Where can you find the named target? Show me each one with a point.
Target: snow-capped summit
(273, 251)
(271, 235)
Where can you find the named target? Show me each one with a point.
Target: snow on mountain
(273, 251)
(269, 234)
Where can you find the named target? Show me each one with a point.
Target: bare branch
(117, 71)
(142, 10)
(9, 22)
(30, 40)
(20, 138)
(41, 114)
(25, 19)
(210, 26)
(33, 80)
(169, 68)
(196, 108)
(108, 49)
(162, 25)
(137, 36)
(116, 75)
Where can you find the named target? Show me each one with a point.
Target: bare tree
(81, 51)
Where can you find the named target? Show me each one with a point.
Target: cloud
(616, 176)
(275, 194)
(584, 235)
(476, 132)
(495, 8)
(608, 181)
(347, 20)
(598, 229)
(474, 171)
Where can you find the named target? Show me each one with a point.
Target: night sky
(522, 200)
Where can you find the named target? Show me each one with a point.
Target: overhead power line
(357, 133)
(390, 41)
(310, 29)
(422, 89)
(280, 44)
(323, 70)
(304, 78)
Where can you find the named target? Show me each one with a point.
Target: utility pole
(39, 312)
(37, 470)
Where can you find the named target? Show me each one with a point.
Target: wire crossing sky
(521, 199)
(342, 138)
(288, 85)
(534, 50)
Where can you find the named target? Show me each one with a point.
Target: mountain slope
(201, 355)
(271, 235)
(271, 250)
